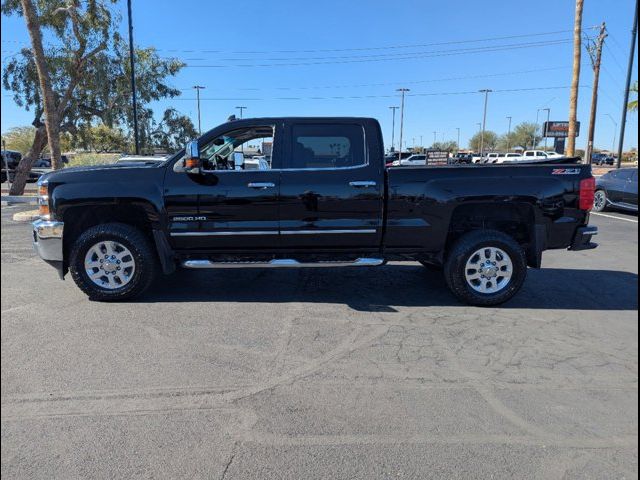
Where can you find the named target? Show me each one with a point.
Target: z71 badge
(566, 171)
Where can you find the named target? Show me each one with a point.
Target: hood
(125, 168)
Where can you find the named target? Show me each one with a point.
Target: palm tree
(632, 106)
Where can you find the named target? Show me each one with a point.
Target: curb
(25, 217)
(29, 199)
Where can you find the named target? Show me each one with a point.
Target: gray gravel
(353, 373)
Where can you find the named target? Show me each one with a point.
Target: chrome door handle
(261, 185)
(363, 184)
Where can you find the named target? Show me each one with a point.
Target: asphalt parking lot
(353, 373)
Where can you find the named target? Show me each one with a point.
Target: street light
(393, 127)
(615, 133)
(402, 93)
(509, 135)
(198, 88)
(486, 92)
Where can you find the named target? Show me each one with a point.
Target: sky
(347, 58)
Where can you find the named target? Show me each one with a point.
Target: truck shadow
(381, 289)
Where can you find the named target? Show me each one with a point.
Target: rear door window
(322, 146)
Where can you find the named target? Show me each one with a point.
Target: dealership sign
(437, 157)
(558, 129)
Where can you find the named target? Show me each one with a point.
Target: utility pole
(393, 128)
(623, 123)
(575, 81)
(241, 109)
(509, 135)
(198, 88)
(402, 93)
(458, 144)
(486, 92)
(615, 132)
(434, 137)
(595, 52)
(548, 117)
(133, 81)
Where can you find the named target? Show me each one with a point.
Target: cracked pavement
(352, 373)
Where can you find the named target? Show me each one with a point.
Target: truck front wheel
(485, 268)
(112, 262)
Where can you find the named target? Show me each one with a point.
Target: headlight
(43, 200)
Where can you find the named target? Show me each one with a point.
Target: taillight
(587, 193)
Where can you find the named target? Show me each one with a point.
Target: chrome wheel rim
(488, 270)
(599, 200)
(109, 265)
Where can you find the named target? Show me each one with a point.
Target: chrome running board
(283, 263)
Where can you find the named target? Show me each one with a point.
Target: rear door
(332, 185)
(631, 189)
(616, 184)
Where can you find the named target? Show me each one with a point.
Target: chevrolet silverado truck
(324, 198)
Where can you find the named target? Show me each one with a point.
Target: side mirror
(192, 157)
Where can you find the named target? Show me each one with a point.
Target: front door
(233, 204)
(331, 190)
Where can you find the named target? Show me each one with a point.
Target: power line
(386, 84)
(432, 54)
(363, 97)
(389, 47)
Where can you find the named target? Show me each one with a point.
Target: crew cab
(325, 200)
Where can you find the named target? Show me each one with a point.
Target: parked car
(391, 157)
(602, 159)
(10, 161)
(510, 157)
(255, 163)
(617, 189)
(476, 158)
(413, 160)
(492, 157)
(462, 158)
(326, 201)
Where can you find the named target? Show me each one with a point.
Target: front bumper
(582, 239)
(47, 242)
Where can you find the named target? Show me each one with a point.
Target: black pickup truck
(318, 195)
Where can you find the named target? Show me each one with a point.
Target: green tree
(449, 146)
(173, 131)
(105, 139)
(490, 141)
(525, 134)
(19, 139)
(632, 106)
(102, 94)
(80, 30)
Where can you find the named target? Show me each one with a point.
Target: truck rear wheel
(485, 268)
(112, 262)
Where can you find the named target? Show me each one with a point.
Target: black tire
(600, 201)
(144, 257)
(463, 250)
